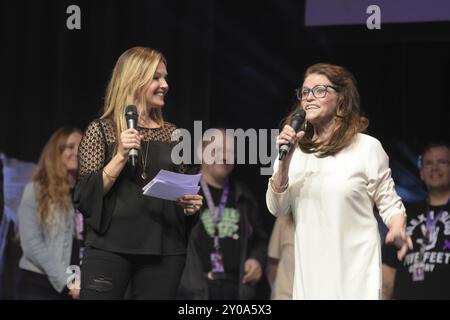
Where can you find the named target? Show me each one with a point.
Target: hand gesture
(397, 235)
(190, 203)
(289, 136)
(252, 271)
(129, 139)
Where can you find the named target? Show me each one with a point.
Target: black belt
(221, 276)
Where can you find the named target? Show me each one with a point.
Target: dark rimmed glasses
(439, 162)
(319, 91)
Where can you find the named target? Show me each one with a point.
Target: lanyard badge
(418, 271)
(216, 218)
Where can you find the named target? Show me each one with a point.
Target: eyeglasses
(319, 91)
(439, 162)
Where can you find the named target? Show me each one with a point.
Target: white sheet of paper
(169, 185)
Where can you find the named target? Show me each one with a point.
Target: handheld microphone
(132, 117)
(297, 121)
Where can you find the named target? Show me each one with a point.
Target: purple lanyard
(223, 201)
(431, 222)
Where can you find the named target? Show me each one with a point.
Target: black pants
(106, 275)
(36, 286)
(222, 290)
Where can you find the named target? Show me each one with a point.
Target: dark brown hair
(348, 119)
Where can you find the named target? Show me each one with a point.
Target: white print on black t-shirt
(228, 226)
(441, 250)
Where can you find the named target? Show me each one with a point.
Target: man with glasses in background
(425, 271)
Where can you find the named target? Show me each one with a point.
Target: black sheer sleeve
(174, 137)
(259, 239)
(88, 196)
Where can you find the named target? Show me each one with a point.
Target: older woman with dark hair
(331, 181)
(47, 228)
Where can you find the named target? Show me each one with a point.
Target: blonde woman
(131, 239)
(46, 221)
(331, 181)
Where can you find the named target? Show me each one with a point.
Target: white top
(337, 243)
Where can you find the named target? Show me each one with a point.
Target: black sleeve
(174, 139)
(88, 196)
(259, 238)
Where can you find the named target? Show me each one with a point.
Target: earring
(306, 126)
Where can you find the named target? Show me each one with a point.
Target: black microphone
(132, 117)
(297, 121)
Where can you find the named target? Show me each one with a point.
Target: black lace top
(124, 220)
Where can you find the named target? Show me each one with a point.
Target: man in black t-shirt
(425, 271)
(228, 245)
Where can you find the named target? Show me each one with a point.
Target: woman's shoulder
(169, 126)
(31, 190)
(164, 133)
(366, 140)
(108, 121)
(99, 128)
(31, 186)
(107, 124)
(96, 123)
(369, 146)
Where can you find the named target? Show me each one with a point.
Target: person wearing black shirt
(131, 239)
(228, 245)
(425, 271)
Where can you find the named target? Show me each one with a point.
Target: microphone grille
(297, 119)
(300, 114)
(131, 112)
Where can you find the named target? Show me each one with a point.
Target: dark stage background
(235, 62)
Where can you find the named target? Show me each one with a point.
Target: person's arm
(381, 189)
(397, 235)
(274, 250)
(91, 153)
(388, 282)
(389, 270)
(252, 271)
(277, 202)
(92, 196)
(259, 238)
(129, 139)
(257, 243)
(33, 243)
(277, 195)
(271, 271)
(112, 171)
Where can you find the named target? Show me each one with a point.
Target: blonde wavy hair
(130, 79)
(349, 121)
(51, 176)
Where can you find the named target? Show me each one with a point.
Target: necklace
(144, 163)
